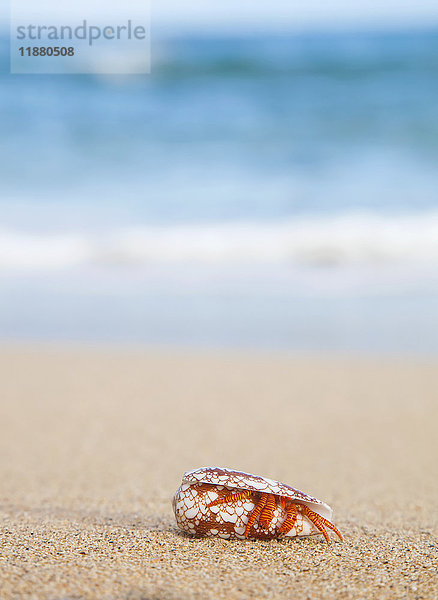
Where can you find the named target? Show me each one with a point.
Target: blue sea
(268, 192)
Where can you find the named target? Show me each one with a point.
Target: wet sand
(93, 443)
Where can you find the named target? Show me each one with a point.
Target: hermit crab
(215, 501)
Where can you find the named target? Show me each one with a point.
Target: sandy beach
(94, 442)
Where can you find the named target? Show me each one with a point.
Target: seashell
(215, 501)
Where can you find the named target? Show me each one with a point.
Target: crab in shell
(214, 501)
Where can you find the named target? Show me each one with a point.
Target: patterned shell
(201, 506)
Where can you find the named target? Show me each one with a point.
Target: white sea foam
(351, 239)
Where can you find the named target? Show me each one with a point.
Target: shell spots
(192, 512)
(229, 517)
(211, 496)
(259, 485)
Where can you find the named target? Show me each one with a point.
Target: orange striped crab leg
(267, 513)
(289, 522)
(319, 522)
(231, 498)
(255, 513)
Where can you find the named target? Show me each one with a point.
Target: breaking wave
(349, 239)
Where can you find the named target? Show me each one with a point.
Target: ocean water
(253, 191)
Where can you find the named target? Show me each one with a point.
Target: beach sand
(94, 442)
